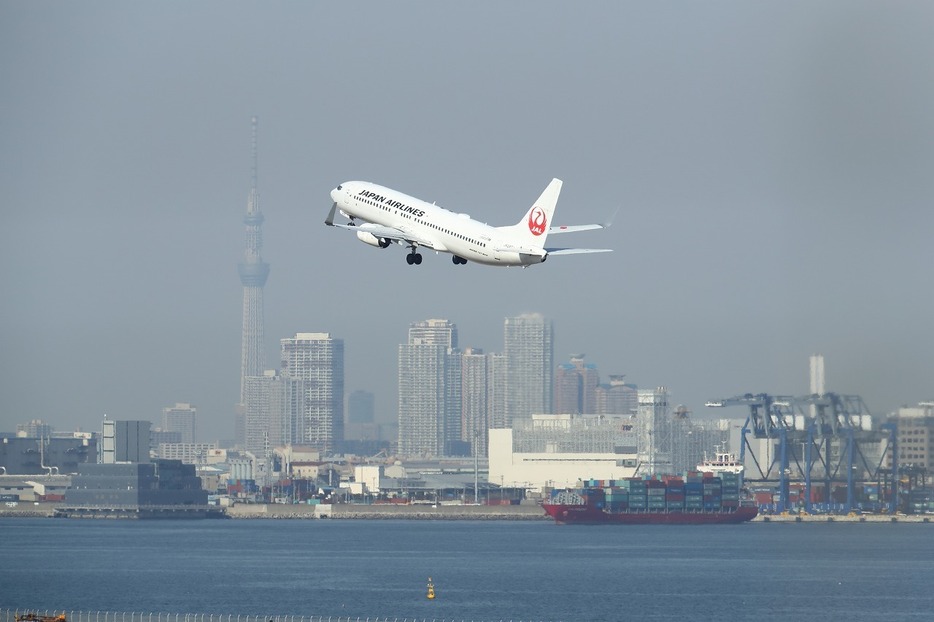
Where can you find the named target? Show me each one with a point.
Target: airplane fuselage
(429, 225)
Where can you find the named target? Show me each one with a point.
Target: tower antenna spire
(253, 171)
(253, 274)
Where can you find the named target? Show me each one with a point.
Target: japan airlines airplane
(389, 216)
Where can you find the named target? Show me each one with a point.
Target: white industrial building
(556, 451)
(189, 453)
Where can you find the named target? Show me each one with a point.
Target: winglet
(329, 221)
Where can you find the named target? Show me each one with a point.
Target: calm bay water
(481, 570)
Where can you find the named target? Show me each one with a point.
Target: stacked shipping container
(695, 492)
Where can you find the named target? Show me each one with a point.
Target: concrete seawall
(391, 512)
(524, 512)
(833, 518)
(530, 511)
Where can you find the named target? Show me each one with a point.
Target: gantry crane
(769, 417)
(814, 421)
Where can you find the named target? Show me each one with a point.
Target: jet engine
(523, 257)
(372, 240)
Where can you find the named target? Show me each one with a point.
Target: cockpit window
(338, 187)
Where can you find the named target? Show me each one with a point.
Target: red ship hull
(591, 515)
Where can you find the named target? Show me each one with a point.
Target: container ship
(696, 498)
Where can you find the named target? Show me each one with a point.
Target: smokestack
(817, 374)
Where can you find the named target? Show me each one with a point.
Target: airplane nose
(335, 194)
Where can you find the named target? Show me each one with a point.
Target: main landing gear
(413, 258)
(458, 260)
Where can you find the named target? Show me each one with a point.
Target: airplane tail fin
(532, 230)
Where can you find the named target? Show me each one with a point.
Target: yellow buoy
(431, 589)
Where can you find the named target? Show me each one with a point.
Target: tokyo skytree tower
(253, 274)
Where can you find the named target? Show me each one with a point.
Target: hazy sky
(773, 163)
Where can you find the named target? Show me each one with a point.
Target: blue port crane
(770, 416)
(816, 422)
(845, 417)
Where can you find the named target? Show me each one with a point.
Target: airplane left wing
(379, 231)
(390, 234)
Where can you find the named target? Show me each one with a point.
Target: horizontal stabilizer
(576, 251)
(573, 228)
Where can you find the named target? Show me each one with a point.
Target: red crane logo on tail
(537, 221)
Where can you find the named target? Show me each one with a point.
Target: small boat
(431, 589)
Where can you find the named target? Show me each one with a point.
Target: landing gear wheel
(417, 258)
(410, 259)
(458, 261)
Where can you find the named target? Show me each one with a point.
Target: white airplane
(390, 216)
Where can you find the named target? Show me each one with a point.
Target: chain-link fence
(33, 615)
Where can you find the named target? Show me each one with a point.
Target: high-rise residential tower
(180, 418)
(430, 390)
(576, 387)
(475, 393)
(317, 361)
(617, 397)
(273, 408)
(253, 274)
(529, 351)
(496, 389)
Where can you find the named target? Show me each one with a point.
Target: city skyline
(769, 164)
(451, 398)
(276, 391)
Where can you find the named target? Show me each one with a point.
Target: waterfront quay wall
(523, 512)
(848, 518)
(531, 511)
